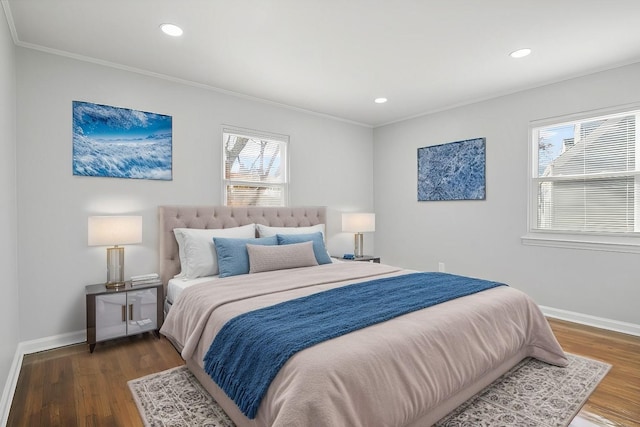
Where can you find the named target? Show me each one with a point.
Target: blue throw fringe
(251, 348)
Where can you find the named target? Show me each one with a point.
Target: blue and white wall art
(121, 143)
(453, 171)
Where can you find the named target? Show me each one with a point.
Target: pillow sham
(266, 231)
(197, 253)
(233, 258)
(319, 249)
(269, 258)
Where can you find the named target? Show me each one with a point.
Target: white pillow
(269, 258)
(266, 231)
(198, 257)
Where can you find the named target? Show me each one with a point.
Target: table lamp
(114, 230)
(358, 223)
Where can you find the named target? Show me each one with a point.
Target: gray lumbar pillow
(268, 258)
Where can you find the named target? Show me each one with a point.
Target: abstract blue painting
(121, 143)
(453, 171)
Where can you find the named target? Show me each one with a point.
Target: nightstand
(128, 310)
(365, 258)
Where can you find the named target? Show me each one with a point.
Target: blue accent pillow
(318, 244)
(233, 258)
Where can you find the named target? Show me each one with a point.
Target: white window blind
(254, 168)
(586, 178)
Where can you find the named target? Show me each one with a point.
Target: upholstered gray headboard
(206, 217)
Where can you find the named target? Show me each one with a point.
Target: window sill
(592, 243)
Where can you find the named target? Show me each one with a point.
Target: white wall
(331, 165)
(482, 238)
(9, 320)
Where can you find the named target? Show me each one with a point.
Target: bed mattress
(175, 286)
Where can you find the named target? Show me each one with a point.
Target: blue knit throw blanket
(251, 348)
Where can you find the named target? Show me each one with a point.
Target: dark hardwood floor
(71, 387)
(616, 401)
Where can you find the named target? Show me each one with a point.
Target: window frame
(627, 242)
(255, 134)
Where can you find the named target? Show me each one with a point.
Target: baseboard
(10, 387)
(597, 322)
(55, 341)
(28, 347)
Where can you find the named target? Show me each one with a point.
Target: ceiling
(334, 57)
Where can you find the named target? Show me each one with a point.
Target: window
(254, 168)
(585, 183)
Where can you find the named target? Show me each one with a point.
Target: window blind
(586, 179)
(255, 168)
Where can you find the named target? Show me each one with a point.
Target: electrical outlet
(441, 267)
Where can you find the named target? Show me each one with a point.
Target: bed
(408, 371)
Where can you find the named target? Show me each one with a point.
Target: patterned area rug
(533, 393)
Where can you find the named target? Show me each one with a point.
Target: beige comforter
(389, 374)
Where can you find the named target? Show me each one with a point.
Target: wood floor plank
(96, 382)
(70, 386)
(617, 398)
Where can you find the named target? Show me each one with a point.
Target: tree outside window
(255, 168)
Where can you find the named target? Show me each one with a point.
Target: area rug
(532, 393)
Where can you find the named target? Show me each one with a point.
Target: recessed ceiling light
(171, 30)
(520, 53)
(380, 100)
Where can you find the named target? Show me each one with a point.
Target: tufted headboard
(206, 217)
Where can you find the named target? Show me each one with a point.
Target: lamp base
(358, 245)
(114, 285)
(115, 267)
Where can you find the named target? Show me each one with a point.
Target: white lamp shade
(359, 222)
(114, 230)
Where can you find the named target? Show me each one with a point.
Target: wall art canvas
(452, 171)
(121, 143)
